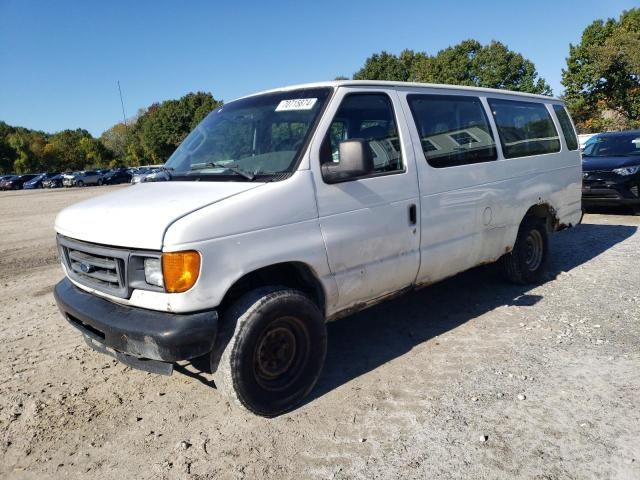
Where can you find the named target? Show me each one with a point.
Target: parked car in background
(151, 174)
(584, 138)
(611, 169)
(38, 182)
(5, 182)
(16, 182)
(53, 182)
(82, 179)
(117, 175)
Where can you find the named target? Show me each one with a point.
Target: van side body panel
(470, 214)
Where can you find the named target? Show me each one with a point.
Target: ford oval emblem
(85, 267)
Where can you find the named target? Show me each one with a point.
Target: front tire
(526, 263)
(275, 352)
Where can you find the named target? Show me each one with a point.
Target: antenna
(124, 117)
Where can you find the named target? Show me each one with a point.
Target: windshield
(613, 146)
(255, 137)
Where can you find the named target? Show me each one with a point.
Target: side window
(567, 128)
(525, 128)
(454, 130)
(368, 116)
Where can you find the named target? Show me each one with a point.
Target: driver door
(369, 224)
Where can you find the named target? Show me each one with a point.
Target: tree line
(601, 80)
(148, 138)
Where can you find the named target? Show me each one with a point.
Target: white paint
(355, 236)
(296, 104)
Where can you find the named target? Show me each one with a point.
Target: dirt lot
(471, 378)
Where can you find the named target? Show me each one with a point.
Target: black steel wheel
(276, 342)
(527, 261)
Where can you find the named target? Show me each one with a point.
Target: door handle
(413, 214)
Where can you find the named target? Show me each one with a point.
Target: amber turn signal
(180, 270)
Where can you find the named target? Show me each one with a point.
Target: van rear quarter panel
(470, 214)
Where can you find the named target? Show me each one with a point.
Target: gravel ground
(470, 378)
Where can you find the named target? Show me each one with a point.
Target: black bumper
(136, 332)
(607, 188)
(608, 199)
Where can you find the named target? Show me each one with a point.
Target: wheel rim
(535, 250)
(281, 353)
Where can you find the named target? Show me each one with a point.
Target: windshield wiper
(228, 166)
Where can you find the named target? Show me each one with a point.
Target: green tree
(162, 127)
(602, 78)
(467, 63)
(71, 150)
(8, 154)
(152, 136)
(115, 140)
(492, 66)
(387, 66)
(29, 148)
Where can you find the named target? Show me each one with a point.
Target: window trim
(551, 117)
(483, 108)
(394, 113)
(563, 108)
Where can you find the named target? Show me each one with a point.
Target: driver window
(367, 116)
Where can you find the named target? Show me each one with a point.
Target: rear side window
(525, 128)
(567, 128)
(454, 130)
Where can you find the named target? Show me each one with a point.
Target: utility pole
(124, 117)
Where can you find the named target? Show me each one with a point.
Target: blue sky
(60, 60)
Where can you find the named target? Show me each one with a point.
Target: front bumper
(138, 337)
(607, 188)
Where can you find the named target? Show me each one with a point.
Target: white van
(299, 205)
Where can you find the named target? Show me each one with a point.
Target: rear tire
(277, 343)
(526, 263)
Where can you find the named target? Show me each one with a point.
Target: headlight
(626, 170)
(153, 272)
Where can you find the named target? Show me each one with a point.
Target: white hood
(138, 216)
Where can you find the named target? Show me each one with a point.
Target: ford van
(296, 206)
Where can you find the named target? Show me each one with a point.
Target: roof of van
(385, 83)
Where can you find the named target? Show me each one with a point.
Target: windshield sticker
(296, 104)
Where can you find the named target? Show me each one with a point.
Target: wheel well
(296, 275)
(547, 213)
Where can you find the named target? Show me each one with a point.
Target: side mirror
(355, 161)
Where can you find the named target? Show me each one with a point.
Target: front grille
(102, 270)
(600, 175)
(98, 267)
